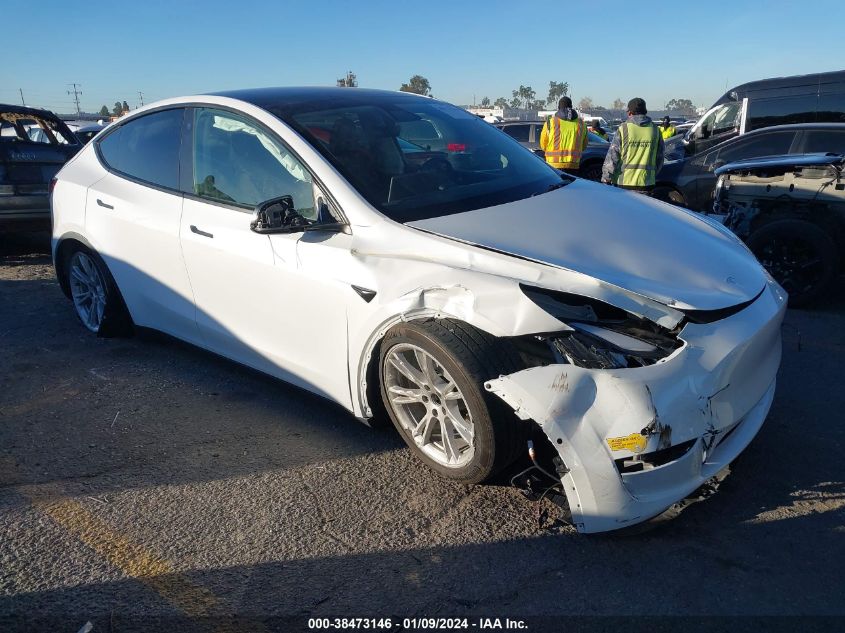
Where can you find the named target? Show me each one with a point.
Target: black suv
(790, 210)
(34, 144)
(527, 133)
(690, 181)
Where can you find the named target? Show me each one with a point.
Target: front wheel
(432, 375)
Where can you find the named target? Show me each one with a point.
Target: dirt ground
(146, 485)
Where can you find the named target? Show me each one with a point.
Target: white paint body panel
(285, 305)
(139, 240)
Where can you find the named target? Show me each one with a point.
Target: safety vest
(638, 155)
(667, 132)
(562, 141)
(599, 133)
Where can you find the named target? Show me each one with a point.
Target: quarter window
(147, 148)
(237, 162)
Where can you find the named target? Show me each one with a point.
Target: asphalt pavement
(147, 485)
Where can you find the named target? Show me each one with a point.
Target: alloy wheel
(88, 290)
(429, 405)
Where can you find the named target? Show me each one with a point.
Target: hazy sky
(467, 50)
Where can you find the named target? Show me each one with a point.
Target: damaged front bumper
(636, 441)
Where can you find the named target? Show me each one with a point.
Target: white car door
(132, 215)
(254, 302)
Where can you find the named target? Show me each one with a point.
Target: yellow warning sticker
(635, 442)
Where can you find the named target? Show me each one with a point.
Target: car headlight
(600, 336)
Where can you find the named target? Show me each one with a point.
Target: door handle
(104, 205)
(199, 232)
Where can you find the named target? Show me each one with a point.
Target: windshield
(414, 159)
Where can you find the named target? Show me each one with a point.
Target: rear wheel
(95, 296)
(799, 255)
(432, 375)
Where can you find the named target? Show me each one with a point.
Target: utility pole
(76, 92)
(23, 103)
(141, 97)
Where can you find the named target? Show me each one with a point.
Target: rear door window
(146, 148)
(756, 146)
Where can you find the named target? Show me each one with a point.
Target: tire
(799, 255)
(96, 299)
(485, 435)
(667, 194)
(591, 171)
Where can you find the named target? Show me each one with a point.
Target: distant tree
(501, 102)
(586, 104)
(104, 111)
(523, 97)
(684, 106)
(417, 84)
(557, 89)
(125, 107)
(485, 102)
(618, 104)
(118, 108)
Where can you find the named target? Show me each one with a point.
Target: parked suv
(691, 180)
(790, 210)
(528, 135)
(34, 144)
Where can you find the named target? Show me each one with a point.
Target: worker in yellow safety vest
(564, 137)
(636, 153)
(596, 128)
(667, 130)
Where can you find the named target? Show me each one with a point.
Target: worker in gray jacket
(636, 154)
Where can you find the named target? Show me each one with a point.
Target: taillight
(52, 186)
(456, 147)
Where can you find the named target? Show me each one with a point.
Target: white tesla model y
(393, 252)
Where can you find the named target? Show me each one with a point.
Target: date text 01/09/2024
(413, 624)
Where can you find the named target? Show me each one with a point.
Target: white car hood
(629, 240)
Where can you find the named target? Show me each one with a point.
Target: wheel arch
(62, 247)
